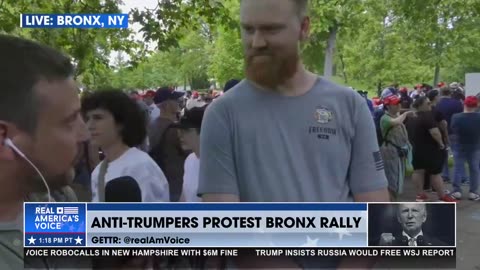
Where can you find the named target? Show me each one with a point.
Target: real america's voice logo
(55, 225)
(67, 210)
(54, 217)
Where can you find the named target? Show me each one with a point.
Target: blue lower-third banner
(201, 225)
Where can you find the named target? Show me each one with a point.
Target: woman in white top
(189, 127)
(117, 125)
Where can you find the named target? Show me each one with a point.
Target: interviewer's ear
(6, 153)
(305, 29)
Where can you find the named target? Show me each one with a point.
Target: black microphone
(123, 189)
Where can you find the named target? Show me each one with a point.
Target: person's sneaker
(446, 180)
(421, 197)
(448, 198)
(474, 196)
(428, 190)
(466, 183)
(457, 195)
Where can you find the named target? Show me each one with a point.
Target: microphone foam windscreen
(123, 189)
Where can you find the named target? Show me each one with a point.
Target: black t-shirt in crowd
(439, 117)
(419, 130)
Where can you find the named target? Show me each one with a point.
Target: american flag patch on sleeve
(377, 158)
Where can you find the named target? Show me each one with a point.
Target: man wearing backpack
(165, 146)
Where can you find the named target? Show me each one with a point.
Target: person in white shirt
(419, 91)
(189, 131)
(194, 103)
(153, 109)
(117, 126)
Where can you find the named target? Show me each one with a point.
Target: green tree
(328, 19)
(195, 60)
(370, 42)
(227, 58)
(450, 27)
(89, 48)
(166, 23)
(185, 65)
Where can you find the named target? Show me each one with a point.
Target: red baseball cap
(391, 100)
(150, 94)
(404, 90)
(471, 102)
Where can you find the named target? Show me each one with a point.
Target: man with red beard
(285, 134)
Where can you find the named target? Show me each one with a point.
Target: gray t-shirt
(11, 244)
(266, 147)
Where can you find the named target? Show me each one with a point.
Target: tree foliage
(88, 48)
(374, 42)
(411, 41)
(227, 54)
(165, 24)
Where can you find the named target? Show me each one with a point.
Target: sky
(140, 4)
(126, 7)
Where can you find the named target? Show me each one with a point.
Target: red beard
(269, 70)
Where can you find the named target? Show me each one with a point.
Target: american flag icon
(377, 157)
(67, 210)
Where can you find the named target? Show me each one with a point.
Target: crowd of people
(151, 136)
(416, 129)
(283, 134)
(421, 129)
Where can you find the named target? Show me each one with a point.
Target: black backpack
(377, 115)
(157, 153)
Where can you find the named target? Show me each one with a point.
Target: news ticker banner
(424, 252)
(202, 225)
(74, 20)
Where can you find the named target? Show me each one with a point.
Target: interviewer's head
(39, 113)
(411, 217)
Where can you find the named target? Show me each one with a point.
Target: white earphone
(9, 143)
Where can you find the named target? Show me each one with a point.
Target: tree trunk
(438, 57)
(330, 51)
(143, 77)
(344, 72)
(437, 75)
(379, 88)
